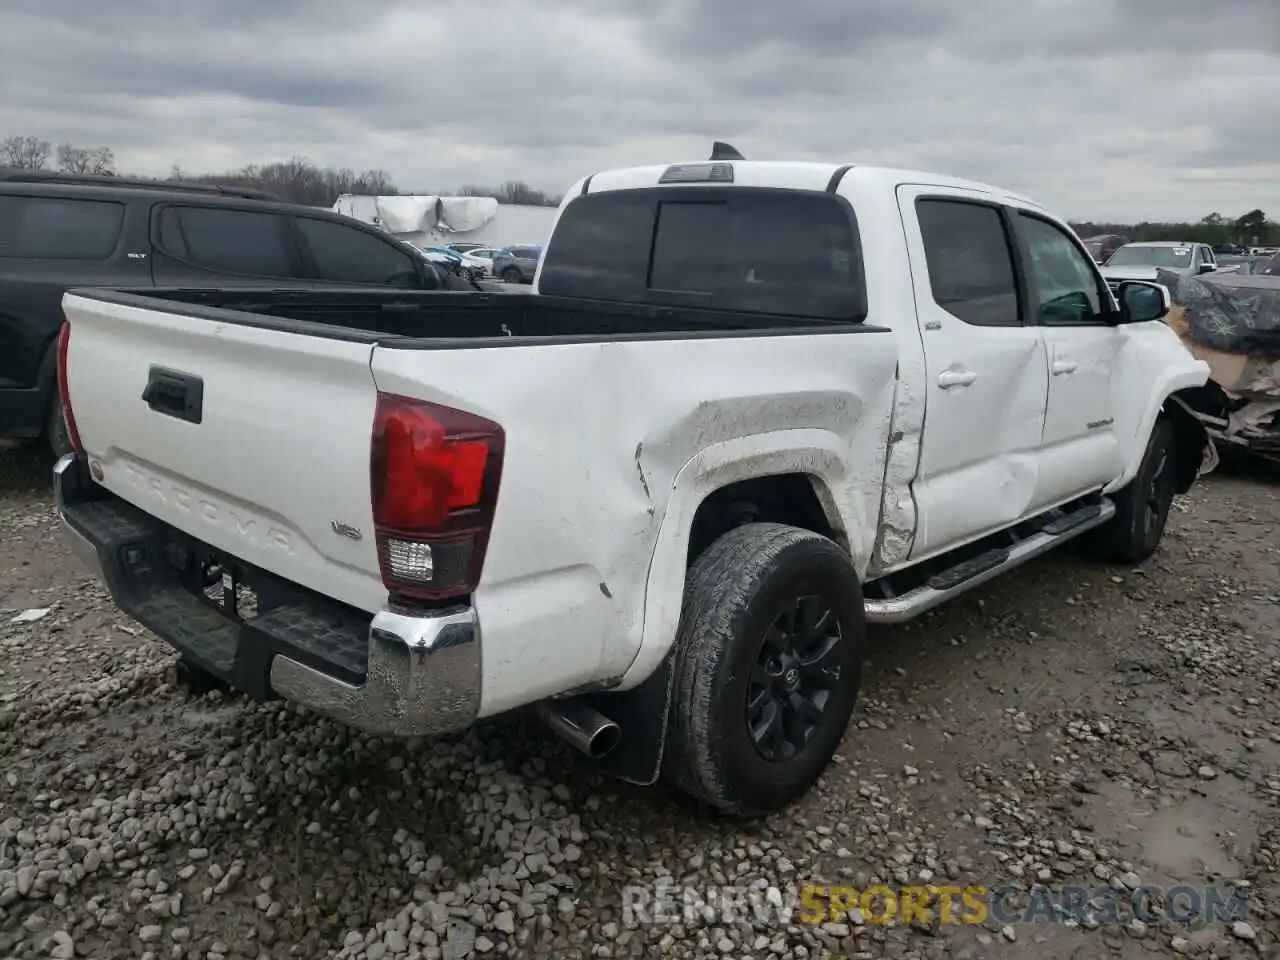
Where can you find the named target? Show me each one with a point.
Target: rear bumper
(398, 673)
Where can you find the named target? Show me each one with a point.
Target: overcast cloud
(1099, 108)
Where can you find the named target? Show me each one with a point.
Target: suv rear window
(57, 228)
(739, 249)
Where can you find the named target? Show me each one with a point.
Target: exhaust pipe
(581, 726)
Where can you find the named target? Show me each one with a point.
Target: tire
(512, 275)
(741, 588)
(55, 430)
(1142, 506)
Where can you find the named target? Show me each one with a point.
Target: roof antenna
(724, 151)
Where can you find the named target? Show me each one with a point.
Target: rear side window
(229, 241)
(743, 250)
(345, 255)
(969, 260)
(54, 228)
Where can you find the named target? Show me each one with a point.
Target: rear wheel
(1142, 507)
(767, 670)
(512, 275)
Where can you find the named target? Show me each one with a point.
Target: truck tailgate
(253, 440)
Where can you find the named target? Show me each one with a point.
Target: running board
(963, 577)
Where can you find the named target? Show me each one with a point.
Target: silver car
(1140, 261)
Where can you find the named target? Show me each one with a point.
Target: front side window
(343, 254)
(1063, 286)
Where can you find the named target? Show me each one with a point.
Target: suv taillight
(64, 389)
(434, 475)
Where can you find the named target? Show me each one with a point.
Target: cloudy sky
(1100, 108)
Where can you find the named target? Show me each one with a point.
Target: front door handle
(956, 378)
(1064, 366)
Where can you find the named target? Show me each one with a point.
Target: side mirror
(1207, 267)
(1141, 302)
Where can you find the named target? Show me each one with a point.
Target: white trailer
(426, 220)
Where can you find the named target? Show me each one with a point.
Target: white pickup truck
(746, 409)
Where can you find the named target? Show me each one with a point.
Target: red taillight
(434, 474)
(64, 389)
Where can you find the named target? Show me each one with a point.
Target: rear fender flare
(819, 454)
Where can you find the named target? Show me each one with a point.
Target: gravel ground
(1069, 724)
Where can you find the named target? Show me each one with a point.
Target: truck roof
(1162, 243)
(794, 174)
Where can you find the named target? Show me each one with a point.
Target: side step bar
(964, 576)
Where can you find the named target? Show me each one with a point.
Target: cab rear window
(738, 249)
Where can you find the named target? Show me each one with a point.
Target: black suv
(59, 231)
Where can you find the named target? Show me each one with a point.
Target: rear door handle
(956, 378)
(1064, 366)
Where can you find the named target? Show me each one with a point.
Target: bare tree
(300, 181)
(24, 153)
(95, 160)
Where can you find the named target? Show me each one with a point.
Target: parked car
(59, 231)
(659, 497)
(481, 258)
(1267, 265)
(450, 261)
(1247, 264)
(516, 264)
(1232, 262)
(1104, 245)
(1140, 261)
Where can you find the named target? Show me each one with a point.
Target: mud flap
(1186, 417)
(641, 713)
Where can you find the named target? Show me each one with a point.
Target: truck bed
(242, 424)
(438, 320)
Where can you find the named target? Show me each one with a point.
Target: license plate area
(234, 588)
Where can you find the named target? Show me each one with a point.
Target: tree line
(296, 180)
(1252, 229)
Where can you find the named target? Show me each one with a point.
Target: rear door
(223, 246)
(985, 369)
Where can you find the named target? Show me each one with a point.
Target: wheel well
(789, 498)
(1189, 435)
